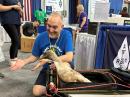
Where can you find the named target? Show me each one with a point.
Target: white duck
(64, 71)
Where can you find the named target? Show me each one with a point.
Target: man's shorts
(42, 77)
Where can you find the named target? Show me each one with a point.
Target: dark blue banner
(111, 40)
(117, 50)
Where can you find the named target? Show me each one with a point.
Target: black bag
(124, 75)
(122, 78)
(103, 81)
(100, 81)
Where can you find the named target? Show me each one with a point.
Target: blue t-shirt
(11, 16)
(61, 45)
(85, 26)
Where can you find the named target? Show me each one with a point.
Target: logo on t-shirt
(54, 48)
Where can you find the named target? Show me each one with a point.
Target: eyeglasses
(50, 26)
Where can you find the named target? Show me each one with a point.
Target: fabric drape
(117, 7)
(36, 5)
(84, 51)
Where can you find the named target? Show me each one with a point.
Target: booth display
(113, 47)
(117, 19)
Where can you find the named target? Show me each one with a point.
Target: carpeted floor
(18, 83)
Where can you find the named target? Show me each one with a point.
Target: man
(82, 19)
(124, 12)
(56, 39)
(30, 28)
(10, 20)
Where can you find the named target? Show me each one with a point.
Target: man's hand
(41, 63)
(78, 30)
(52, 66)
(18, 65)
(18, 8)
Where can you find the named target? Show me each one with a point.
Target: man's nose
(51, 29)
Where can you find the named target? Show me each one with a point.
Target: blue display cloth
(113, 47)
(41, 29)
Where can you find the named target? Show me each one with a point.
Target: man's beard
(54, 34)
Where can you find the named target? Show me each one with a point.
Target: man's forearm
(83, 22)
(5, 8)
(30, 59)
(68, 57)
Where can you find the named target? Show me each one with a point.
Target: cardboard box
(27, 43)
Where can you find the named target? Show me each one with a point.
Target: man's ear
(62, 26)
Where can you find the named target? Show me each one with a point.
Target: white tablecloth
(3, 38)
(2, 58)
(3, 35)
(84, 51)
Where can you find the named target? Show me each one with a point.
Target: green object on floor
(1, 75)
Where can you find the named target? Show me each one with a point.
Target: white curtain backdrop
(84, 51)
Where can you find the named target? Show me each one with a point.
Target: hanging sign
(57, 5)
(95, 8)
